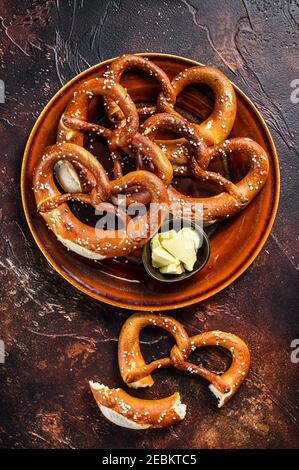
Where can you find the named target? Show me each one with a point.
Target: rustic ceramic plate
(234, 245)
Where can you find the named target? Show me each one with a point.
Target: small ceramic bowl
(203, 252)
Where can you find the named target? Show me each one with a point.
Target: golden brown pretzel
(162, 161)
(136, 373)
(136, 413)
(81, 238)
(115, 72)
(218, 125)
(73, 124)
(236, 196)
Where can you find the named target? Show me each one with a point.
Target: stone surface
(57, 338)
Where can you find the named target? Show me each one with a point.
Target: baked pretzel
(81, 238)
(73, 124)
(135, 413)
(162, 164)
(70, 126)
(141, 148)
(236, 196)
(136, 373)
(115, 72)
(218, 125)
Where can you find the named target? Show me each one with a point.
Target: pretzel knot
(94, 242)
(128, 411)
(134, 371)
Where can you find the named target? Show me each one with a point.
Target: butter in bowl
(177, 251)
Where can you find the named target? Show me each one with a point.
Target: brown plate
(234, 245)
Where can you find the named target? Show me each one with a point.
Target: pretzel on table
(136, 373)
(136, 413)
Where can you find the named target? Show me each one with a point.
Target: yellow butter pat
(166, 235)
(155, 242)
(173, 269)
(192, 234)
(161, 257)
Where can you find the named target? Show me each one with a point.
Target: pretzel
(236, 196)
(147, 152)
(141, 148)
(73, 124)
(115, 72)
(88, 241)
(135, 413)
(77, 109)
(218, 125)
(136, 373)
(162, 163)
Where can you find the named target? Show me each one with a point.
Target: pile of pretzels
(67, 171)
(128, 411)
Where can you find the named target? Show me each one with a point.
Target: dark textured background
(57, 338)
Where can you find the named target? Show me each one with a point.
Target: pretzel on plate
(73, 124)
(135, 413)
(165, 121)
(136, 373)
(115, 72)
(77, 110)
(219, 123)
(92, 242)
(236, 196)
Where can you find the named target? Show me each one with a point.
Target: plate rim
(133, 306)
